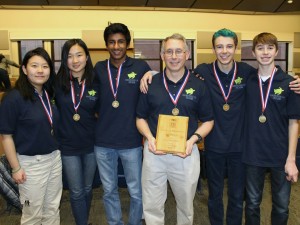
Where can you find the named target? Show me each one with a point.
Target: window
(280, 60)
(149, 50)
(56, 48)
(27, 45)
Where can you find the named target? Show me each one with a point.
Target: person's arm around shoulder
(146, 80)
(295, 84)
(143, 127)
(290, 165)
(18, 173)
(201, 133)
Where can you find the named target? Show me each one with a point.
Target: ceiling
(218, 6)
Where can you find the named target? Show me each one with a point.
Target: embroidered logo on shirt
(131, 75)
(278, 91)
(238, 80)
(189, 91)
(92, 92)
(132, 78)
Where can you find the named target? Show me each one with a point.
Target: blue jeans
(107, 160)
(281, 190)
(79, 171)
(219, 165)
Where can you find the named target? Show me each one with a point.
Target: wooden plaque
(171, 133)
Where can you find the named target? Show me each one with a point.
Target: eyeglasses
(178, 52)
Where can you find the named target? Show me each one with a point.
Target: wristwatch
(199, 138)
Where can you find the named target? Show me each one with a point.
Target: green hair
(225, 33)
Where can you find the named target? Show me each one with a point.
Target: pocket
(25, 161)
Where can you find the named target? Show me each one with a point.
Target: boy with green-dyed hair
(225, 33)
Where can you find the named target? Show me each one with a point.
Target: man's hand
(152, 147)
(188, 150)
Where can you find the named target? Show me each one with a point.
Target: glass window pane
(58, 44)
(281, 51)
(247, 50)
(27, 45)
(189, 42)
(147, 49)
(154, 64)
(56, 66)
(189, 64)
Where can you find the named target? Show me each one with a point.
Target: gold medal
(262, 118)
(76, 117)
(115, 104)
(175, 112)
(226, 107)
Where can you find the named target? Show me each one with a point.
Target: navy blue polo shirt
(116, 127)
(267, 143)
(77, 137)
(194, 102)
(227, 133)
(27, 121)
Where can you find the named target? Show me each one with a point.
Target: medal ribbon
(220, 84)
(48, 112)
(114, 92)
(76, 106)
(179, 91)
(265, 101)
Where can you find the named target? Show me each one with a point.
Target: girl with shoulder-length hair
(63, 75)
(76, 98)
(24, 85)
(28, 119)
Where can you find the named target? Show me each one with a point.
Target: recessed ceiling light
(290, 1)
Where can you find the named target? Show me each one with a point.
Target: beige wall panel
(204, 39)
(205, 58)
(296, 60)
(237, 57)
(35, 24)
(98, 55)
(93, 39)
(297, 40)
(4, 43)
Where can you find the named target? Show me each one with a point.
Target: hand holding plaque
(171, 133)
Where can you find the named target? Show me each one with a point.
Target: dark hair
(1, 57)
(63, 75)
(24, 86)
(265, 38)
(225, 33)
(115, 28)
